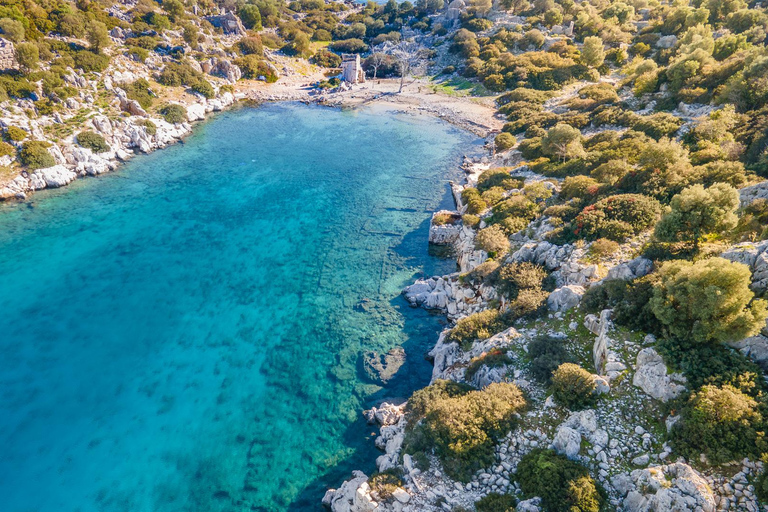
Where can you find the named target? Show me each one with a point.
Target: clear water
(186, 334)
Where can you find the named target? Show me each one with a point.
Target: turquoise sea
(186, 334)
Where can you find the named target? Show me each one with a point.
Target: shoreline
(131, 136)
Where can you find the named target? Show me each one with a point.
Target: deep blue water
(185, 334)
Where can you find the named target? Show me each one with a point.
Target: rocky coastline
(629, 454)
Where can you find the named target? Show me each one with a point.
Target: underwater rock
(380, 368)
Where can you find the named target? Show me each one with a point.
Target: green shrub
(254, 67)
(251, 45)
(327, 59)
(573, 386)
(93, 141)
(470, 220)
(707, 301)
(34, 155)
(384, 484)
(761, 482)
(15, 134)
(512, 225)
(137, 53)
(420, 401)
(504, 141)
(174, 113)
(514, 206)
(495, 502)
(473, 200)
(753, 223)
(515, 277)
(492, 359)
(140, 91)
(497, 177)
(562, 484)
(492, 240)
(617, 217)
(477, 326)
(91, 62)
(349, 46)
(602, 248)
(484, 273)
(629, 301)
(6, 149)
(528, 303)
(463, 429)
(547, 353)
(720, 422)
(204, 87)
(149, 126)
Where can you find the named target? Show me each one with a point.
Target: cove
(186, 333)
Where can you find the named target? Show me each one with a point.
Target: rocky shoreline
(626, 452)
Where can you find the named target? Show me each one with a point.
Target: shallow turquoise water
(185, 334)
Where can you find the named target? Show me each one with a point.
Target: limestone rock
(755, 347)
(663, 488)
(567, 442)
(56, 176)
(353, 496)
(651, 376)
(446, 232)
(565, 298)
(195, 112)
(385, 414)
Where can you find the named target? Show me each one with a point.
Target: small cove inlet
(186, 333)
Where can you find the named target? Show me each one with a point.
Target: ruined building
(7, 56)
(351, 68)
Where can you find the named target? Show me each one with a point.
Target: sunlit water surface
(186, 334)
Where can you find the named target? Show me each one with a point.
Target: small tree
(563, 141)
(379, 55)
(592, 53)
(504, 141)
(493, 240)
(12, 29)
(573, 386)
(97, 35)
(27, 55)
(707, 301)
(251, 16)
(696, 212)
(411, 57)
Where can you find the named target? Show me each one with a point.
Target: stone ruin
(7, 56)
(228, 22)
(351, 69)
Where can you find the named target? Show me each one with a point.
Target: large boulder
(651, 376)
(565, 298)
(567, 442)
(380, 368)
(755, 347)
(444, 228)
(353, 496)
(663, 488)
(56, 176)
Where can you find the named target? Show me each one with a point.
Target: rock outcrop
(651, 376)
(664, 488)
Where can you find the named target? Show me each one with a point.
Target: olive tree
(707, 301)
(98, 37)
(27, 55)
(592, 52)
(698, 211)
(563, 141)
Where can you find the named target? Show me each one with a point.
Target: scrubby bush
(149, 126)
(602, 248)
(720, 422)
(93, 141)
(327, 59)
(504, 141)
(515, 206)
(547, 353)
(15, 134)
(492, 240)
(629, 301)
(254, 67)
(617, 217)
(204, 87)
(562, 484)
(707, 301)
(140, 91)
(514, 277)
(573, 386)
(497, 177)
(477, 326)
(251, 45)
(174, 113)
(349, 46)
(495, 502)
(6, 149)
(463, 428)
(384, 484)
(492, 359)
(753, 223)
(34, 155)
(473, 200)
(470, 220)
(527, 304)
